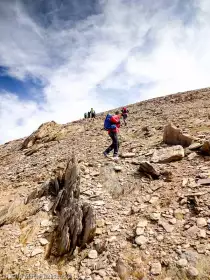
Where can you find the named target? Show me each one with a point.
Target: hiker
(88, 114)
(124, 114)
(85, 115)
(94, 114)
(91, 112)
(112, 125)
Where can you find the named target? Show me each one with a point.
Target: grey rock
(156, 268)
(141, 240)
(201, 222)
(168, 154)
(93, 254)
(193, 272)
(182, 262)
(36, 251)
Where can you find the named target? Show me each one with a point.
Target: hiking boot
(115, 158)
(105, 154)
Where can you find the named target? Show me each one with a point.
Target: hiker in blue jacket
(112, 125)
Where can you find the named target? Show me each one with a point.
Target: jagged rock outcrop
(173, 136)
(76, 220)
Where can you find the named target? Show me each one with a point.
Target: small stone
(201, 222)
(121, 269)
(141, 240)
(98, 202)
(118, 168)
(202, 233)
(192, 156)
(128, 155)
(46, 223)
(154, 200)
(156, 268)
(70, 270)
(36, 251)
(88, 271)
(112, 239)
(102, 272)
(93, 254)
(115, 228)
(99, 231)
(173, 221)
(139, 231)
(48, 206)
(192, 271)
(168, 228)
(43, 241)
(100, 223)
(142, 223)
(182, 262)
(155, 216)
(160, 237)
(184, 182)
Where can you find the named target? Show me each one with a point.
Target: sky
(59, 58)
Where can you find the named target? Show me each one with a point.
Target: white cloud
(71, 62)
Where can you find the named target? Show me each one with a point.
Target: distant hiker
(93, 114)
(112, 125)
(124, 114)
(85, 115)
(88, 114)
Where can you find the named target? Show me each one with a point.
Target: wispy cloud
(100, 54)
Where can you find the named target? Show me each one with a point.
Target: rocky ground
(152, 206)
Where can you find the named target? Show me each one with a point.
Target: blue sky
(58, 58)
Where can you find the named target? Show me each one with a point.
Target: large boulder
(47, 132)
(173, 136)
(168, 154)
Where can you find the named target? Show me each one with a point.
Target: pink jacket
(115, 120)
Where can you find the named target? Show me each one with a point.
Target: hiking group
(112, 125)
(90, 114)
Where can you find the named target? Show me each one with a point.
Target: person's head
(118, 113)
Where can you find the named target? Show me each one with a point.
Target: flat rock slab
(195, 146)
(168, 154)
(204, 181)
(128, 155)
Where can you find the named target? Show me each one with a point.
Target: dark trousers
(124, 118)
(115, 144)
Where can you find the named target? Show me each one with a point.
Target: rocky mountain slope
(148, 215)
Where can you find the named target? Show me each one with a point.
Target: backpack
(124, 110)
(107, 123)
